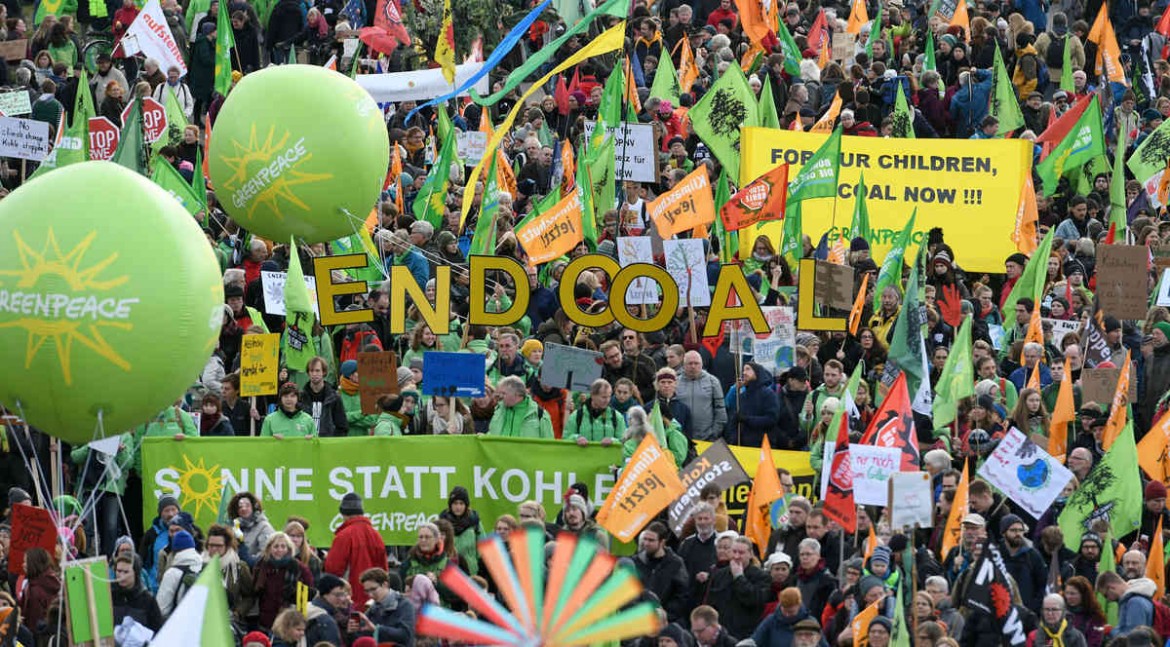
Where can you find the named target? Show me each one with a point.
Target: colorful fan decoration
(578, 602)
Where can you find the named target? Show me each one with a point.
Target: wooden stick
(251, 420)
(91, 606)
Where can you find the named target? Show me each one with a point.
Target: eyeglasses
(627, 337)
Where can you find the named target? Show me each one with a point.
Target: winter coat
(136, 603)
(667, 578)
(326, 409)
(388, 424)
(756, 414)
(170, 586)
(356, 547)
(321, 623)
(1156, 383)
(698, 557)
(815, 589)
(153, 542)
(394, 619)
(359, 424)
(286, 24)
(39, 597)
(582, 424)
(1070, 638)
(525, 420)
(639, 369)
(1030, 572)
(776, 629)
(704, 397)
(281, 423)
(739, 600)
(275, 586)
(201, 69)
(257, 531)
(969, 104)
(237, 581)
(1136, 607)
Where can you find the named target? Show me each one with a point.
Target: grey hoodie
(704, 397)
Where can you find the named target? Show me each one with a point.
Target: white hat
(778, 557)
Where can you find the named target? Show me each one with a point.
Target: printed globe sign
(109, 306)
(301, 151)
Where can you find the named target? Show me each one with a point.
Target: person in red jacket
(356, 547)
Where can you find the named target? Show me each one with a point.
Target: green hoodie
(280, 423)
(582, 424)
(388, 425)
(360, 424)
(525, 420)
(115, 479)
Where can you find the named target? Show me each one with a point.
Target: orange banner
(647, 485)
(684, 207)
(953, 530)
(553, 233)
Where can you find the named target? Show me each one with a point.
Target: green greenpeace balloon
(111, 300)
(299, 151)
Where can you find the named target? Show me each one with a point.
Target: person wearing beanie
(672, 635)
(1154, 508)
(1013, 268)
(349, 390)
(328, 613)
(880, 631)
(356, 546)
(1022, 560)
(466, 523)
(185, 566)
(577, 518)
(1157, 373)
(1026, 76)
(156, 539)
(533, 351)
(245, 316)
(256, 639)
(858, 251)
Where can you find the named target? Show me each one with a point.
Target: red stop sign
(103, 138)
(154, 118)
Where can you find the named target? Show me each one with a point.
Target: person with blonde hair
(288, 629)
(276, 577)
(296, 530)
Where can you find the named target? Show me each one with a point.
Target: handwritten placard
(1025, 472)
(833, 286)
(377, 376)
(14, 104)
(638, 249)
(259, 364)
(1121, 280)
(24, 138)
(842, 46)
(273, 284)
(31, 528)
(1099, 384)
(687, 265)
(634, 156)
(872, 467)
(462, 375)
(14, 50)
(566, 367)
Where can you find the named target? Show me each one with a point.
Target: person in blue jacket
(969, 104)
(753, 412)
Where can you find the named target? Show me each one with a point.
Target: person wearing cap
(357, 546)
(961, 557)
(245, 316)
(778, 627)
(1154, 509)
(1023, 561)
(185, 566)
(807, 633)
(679, 157)
(779, 567)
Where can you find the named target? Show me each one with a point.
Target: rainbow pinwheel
(578, 602)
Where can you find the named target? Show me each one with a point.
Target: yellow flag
(1117, 416)
(766, 489)
(825, 125)
(553, 233)
(954, 527)
(609, 40)
(445, 47)
(1063, 413)
(1108, 53)
(858, 16)
(649, 482)
(1027, 215)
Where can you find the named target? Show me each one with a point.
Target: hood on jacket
(187, 557)
(764, 378)
(1142, 586)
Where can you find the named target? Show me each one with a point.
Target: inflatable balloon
(111, 300)
(294, 149)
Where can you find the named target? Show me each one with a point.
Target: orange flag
(837, 251)
(756, 22)
(1034, 379)
(858, 16)
(860, 623)
(825, 124)
(688, 72)
(1152, 450)
(1117, 416)
(649, 482)
(206, 147)
(686, 205)
(871, 542)
(632, 89)
(858, 305)
(749, 57)
(962, 19)
(1035, 331)
(396, 173)
(1063, 413)
(1108, 53)
(554, 232)
(959, 509)
(1024, 235)
(766, 488)
(569, 174)
(762, 200)
(1156, 567)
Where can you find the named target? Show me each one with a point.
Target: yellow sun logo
(200, 485)
(42, 312)
(269, 170)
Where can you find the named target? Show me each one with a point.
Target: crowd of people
(715, 587)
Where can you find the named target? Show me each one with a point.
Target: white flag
(149, 35)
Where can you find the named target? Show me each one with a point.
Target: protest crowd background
(941, 421)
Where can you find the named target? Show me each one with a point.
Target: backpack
(1161, 618)
(1054, 55)
(1042, 76)
(190, 575)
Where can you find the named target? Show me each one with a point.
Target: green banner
(402, 480)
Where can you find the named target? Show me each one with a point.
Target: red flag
(839, 504)
(575, 84)
(893, 425)
(762, 200)
(1059, 129)
(1112, 233)
(562, 95)
(1163, 26)
(818, 33)
(387, 31)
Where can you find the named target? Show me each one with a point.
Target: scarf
(348, 386)
(469, 519)
(1056, 637)
(805, 576)
(206, 422)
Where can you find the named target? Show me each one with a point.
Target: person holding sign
(288, 419)
(517, 415)
(597, 421)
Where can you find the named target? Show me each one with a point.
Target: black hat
(1111, 323)
(883, 621)
(796, 373)
(163, 501)
(458, 493)
(18, 495)
(898, 543)
(233, 291)
(351, 504)
(865, 265)
(328, 582)
(858, 244)
(1018, 259)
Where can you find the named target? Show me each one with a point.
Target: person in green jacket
(389, 423)
(467, 526)
(597, 421)
(172, 421)
(360, 424)
(516, 414)
(288, 420)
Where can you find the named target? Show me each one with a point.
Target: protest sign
(24, 139)
(1025, 473)
(377, 376)
(972, 189)
(687, 265)
(775, 351)
(259, 364)
(842, 46)
(685, 206)
(462, 375)
(911, 501)
(1099, 384)
(872, 467)
(91, 610)
(717, 466)
(31, 528)
(416, 85)
(833, 286)
(553, 233)
(1164, 289)
(103, 138)
(470, 145)
(638, 249)
(1062, 327)
(150, 35)
(14, 50)
(647, 485)
(1121, 280)
(404, 480)
(567, 367)
(14, 104)
(634, 151)
(1161, 254)
(273, 285)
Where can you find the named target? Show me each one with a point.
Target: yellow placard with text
(649, 482)
(685, 206)
(553, 233)
(969, 188)
(259, 364)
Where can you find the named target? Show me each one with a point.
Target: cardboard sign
(377, 376)
(470, 145)
(687, 265)
(90, 605)
(1121, 280)
(833, 286)
(1161, 254)
(24, 138)
(31, 528)
(462, 375)
(715, 465)
(14, 104)
(842, 46)
(634, 152)
(911, 501)
(567, 367)
(638, 249)
(14, 50)
(273, 284)
(872, 467)
(1098, 385)
(1025, 472)
(259, 365)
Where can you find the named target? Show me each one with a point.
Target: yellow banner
(685, 206)
(553, 233)
(259, 364)
(970, 188)
(649, 482)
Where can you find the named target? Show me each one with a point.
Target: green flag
(296, 345)
(609, 109)
(901, 636)
(356, 62)
(792, 53)
(657, 425)
(728, 240)
(957, 379)
(859, 227)
(1085, 141)
(483, 242)
(792, 237)
(176, 122)
(903, 116)
(665, 84)
(1151, 156)
(131, 151)
(1107, 564)
(1117, 205)
(602, 175)
(169, 179)
(875, 33)
(908, 346)
(1004, 105)
(1031, 281)
(768, 116)
(928, 63)
(718, 116)
(74, 144)
(890, 274)
(202, 617)
(1066, 71)
(818, 177)
(198, 182)
(545, 135)
(428, 204)
(1112, 491)
(225, 40)
(584, 185)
